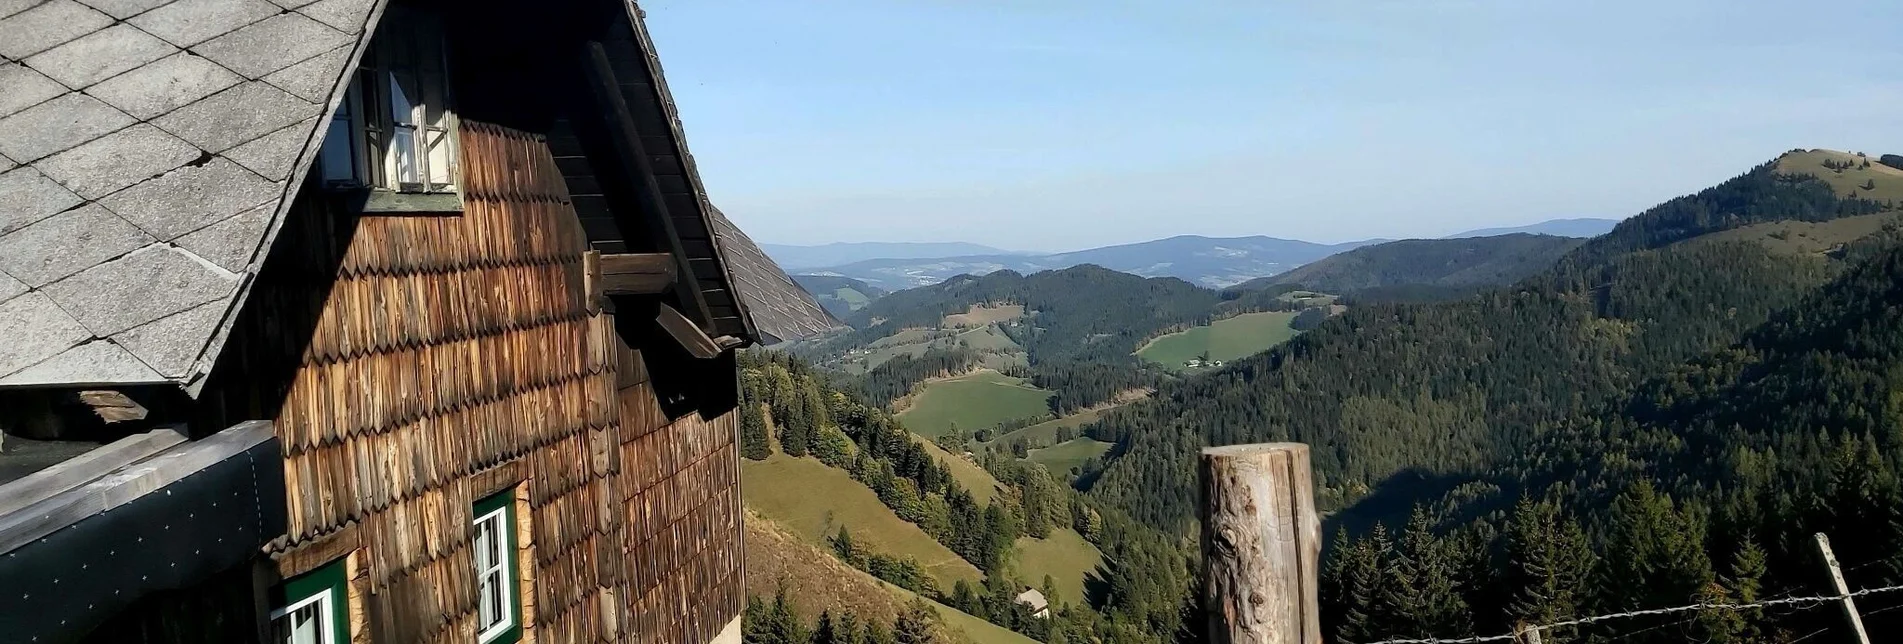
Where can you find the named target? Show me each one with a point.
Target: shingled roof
(148, 150)
(781, 310)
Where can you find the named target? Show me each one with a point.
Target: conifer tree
(916, 625)
(753, 438)
(1549, 566)
(1422, 591)
(1655, 553)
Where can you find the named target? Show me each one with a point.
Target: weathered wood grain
(1261, 545)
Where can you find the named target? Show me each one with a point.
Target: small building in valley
(1034, 599)
(364, 321)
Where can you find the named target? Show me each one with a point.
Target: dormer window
(395, 130)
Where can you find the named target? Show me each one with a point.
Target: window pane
(336, 156)
(403, 97)
(306, 624)
(403, 155)
(438, 158)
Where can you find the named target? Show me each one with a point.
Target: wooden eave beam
(687, 334)
(638, 171)
(637, 273)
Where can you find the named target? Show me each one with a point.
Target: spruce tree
(916, 625)
(753, 438)
(826, 632)
(1548, 566)
(1655, 553)
(1423, 593)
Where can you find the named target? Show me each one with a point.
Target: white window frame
(370, 125)
(499, 568)
(326, 617)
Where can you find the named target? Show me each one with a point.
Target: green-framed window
(498, 585)
(310, 608)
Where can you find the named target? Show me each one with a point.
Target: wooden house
(364, 321)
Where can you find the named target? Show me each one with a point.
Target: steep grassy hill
(976, 480)
(1433, 390)
(1067, 558)
(819, 582)
(1463, 262)
(812, 501)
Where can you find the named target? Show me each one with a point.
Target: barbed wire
(1814, 601)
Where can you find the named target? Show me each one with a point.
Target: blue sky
(1056, 125)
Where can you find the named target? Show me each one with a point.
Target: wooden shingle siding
(440, 348)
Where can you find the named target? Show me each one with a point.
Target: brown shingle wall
(445, 346)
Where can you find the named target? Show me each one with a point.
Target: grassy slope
(1889, 181)
(975, 479)
(852, 297)
(973, 401)
(816, 582)
(1061, 457)
(1065, 556)
(1802, 237)
(813, 500)
(979, 315)
(1227, 339)
(972, 629)
(1046, 432)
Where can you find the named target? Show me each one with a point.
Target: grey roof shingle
(151, 283)
(56, 125)
(231, 243)
(67, 243)
(25, 88)
(148, 176)
(344, 15)
(189, 22)
(312, 79)
(117, 160)
(97, 362)
(272, 44)
(35, 329)
(170, 344)
(191, 197)
(235, 116)
(165, 85)
(271, 155)
(10, 287)
(99, 55)
(26, 196)
(46, 25)
(123, 9)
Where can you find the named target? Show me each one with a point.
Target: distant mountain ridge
(1496, 260)
(1210, 262)
(1578, 227)
(793, 257)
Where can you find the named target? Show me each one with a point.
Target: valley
(1549, 395)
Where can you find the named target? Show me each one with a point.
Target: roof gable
(148, 152)
(150, 148)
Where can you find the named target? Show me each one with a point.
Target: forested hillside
(1463, 262)
(1432, 389)
(1657, 419)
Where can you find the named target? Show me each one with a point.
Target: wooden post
(1261, 545)
(1843, 589)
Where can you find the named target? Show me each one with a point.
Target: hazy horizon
(1069, 125)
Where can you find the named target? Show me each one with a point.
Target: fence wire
(1507, 637)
